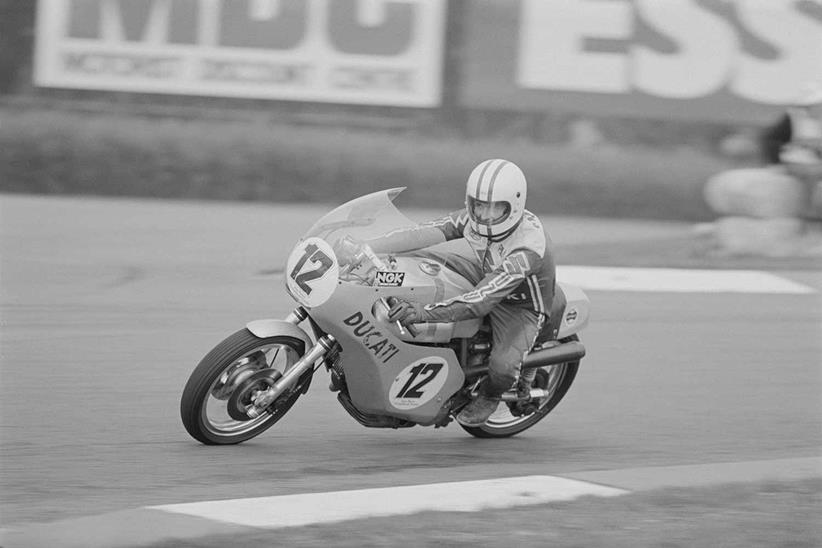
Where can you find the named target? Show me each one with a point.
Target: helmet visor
(488, 213)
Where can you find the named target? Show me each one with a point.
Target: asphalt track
(107, 305)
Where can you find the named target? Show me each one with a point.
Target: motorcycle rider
(514, 275)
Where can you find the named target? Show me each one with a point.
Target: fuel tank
(424, 273)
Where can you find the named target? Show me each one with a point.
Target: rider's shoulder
(529, 234)
(531, 226)
(529, 218)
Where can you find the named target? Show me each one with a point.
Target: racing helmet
(495, 198)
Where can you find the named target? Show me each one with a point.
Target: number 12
(316, 256)
(409, 391)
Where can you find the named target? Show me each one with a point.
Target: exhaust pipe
(561, 353)
(564, 352)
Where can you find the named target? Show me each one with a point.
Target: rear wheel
(215, 398)
(554, 379)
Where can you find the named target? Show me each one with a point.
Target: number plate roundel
(418, 383)
(311, 272)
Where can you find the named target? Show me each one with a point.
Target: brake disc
(243, 396)
(237, 374)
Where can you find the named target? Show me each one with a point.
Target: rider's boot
(486, 402)
(478, 411)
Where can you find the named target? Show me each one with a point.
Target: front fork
(297, 316)
(323, 346)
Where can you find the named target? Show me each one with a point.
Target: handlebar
(365, 251)
(376, 261)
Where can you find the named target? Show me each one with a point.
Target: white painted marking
(468, 496)
(678, 281)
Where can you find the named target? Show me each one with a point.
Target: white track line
(467, 496)
(678, 281)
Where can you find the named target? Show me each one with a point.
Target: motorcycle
(385, 375)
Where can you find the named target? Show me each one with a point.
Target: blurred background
(612, 107)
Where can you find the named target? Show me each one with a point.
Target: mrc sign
(692, 59)
(347, 51)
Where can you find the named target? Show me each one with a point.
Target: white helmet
(495, 198)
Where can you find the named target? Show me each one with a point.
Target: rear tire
(230, 366)
(503, 424)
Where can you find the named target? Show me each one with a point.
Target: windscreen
(362, 218)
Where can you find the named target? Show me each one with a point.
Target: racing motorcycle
(385, 375)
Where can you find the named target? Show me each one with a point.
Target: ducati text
(371, 337)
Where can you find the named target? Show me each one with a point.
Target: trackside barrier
(764, 211)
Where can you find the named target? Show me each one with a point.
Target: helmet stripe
(502, 164)
(536, 294)
(484, 179)
(481, 176)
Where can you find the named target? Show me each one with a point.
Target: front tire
(557, 379)
(211, 406)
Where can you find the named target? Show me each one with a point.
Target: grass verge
(765, 514)
(118, 155)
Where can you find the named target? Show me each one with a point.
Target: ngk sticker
(390, 279)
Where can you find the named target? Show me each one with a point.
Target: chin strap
(501, 237)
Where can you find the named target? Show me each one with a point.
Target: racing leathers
(514, 281)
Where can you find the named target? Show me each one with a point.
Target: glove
(406, 312)
(346, 249)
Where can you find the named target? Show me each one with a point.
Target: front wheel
(222, 386)
(554, 379)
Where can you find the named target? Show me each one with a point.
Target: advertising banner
(701, 60)
(382, 52)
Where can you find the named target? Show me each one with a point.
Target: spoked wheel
(215, 402)
(555, 380)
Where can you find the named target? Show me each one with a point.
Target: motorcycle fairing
(378, 364)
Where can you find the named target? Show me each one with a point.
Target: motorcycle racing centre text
(164, 67)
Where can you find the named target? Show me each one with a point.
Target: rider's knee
(505, 362)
